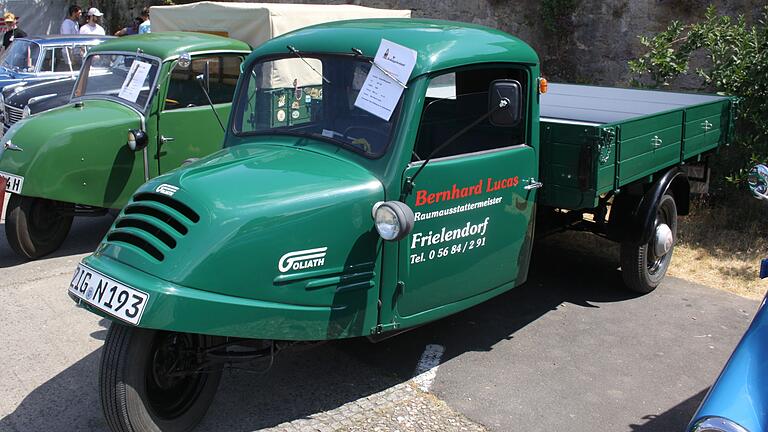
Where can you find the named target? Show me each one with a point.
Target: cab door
(187, 126)
(473, 202)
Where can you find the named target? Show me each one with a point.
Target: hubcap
(172, 385)
(663, 240)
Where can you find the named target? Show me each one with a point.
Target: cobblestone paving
(402, 408)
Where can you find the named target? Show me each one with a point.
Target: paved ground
(567, 351)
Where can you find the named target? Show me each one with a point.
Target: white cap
(95, 12)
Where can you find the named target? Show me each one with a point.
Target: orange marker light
(543, 85)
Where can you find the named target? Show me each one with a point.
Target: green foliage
(737, 64)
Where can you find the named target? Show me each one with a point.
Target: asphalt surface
(569, 350)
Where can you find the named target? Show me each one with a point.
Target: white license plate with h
(13, 182)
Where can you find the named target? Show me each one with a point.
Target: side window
(56, 60)
(184, 90)
(456, 100)
(76, 56)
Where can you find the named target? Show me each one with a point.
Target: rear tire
(36, 227)
(141, 387)
(641, 267)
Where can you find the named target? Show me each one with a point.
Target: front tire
(36, 227)
(149, 380)
(643, 267)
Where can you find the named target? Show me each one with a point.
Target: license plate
(13, 182)
(108, 295)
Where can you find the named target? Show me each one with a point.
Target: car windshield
(312, 96)
(126, 78)
(22, 56)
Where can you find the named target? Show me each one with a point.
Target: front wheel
(643, 266)
(36, 227)
(151, 380)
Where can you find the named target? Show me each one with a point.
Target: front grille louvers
(12, 115)
(153, 223)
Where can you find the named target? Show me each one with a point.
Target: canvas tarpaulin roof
(255, 23)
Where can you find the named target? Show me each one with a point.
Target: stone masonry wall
(582, 41)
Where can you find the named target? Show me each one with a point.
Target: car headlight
(26, 112)
(137, 139)
(394, 220)
(716, 424)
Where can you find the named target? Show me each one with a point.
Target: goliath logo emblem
(167, 189)
(302, 259)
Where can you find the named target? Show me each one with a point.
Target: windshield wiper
(359, 52)
(295, 52)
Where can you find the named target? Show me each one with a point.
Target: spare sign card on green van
(385, 82)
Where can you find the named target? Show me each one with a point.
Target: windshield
(22, 56)
(125, 78)
(311, 96)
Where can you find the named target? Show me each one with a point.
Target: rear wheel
(643, 266)
(36, 227)
(151, 380)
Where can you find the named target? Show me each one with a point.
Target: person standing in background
(13, 31)
(92, 27)
(132, 30)
(71, 24)
(145, 26)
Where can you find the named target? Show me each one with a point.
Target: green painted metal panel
(255, 204)
(472, 237)
(605, 178)
(650, 124)
(79, 154)
(168, 44)
(195, 133)
(439, 44)
(645, 144)
(577, 163)
(178, 308)
(706, 127)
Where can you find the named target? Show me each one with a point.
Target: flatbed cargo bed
(597, 139)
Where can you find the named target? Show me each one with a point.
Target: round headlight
(26, 112)
(137, 139)
(394, 220)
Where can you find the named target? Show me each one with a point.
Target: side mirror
(505, 102)
(185, 60)
(758, 181)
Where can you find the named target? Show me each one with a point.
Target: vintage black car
(21, 101)
(36, 60)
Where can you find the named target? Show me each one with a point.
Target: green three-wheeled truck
(348, 222)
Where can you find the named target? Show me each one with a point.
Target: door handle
(656, 142)
(165, 139)
(533, 184)
(706, 125)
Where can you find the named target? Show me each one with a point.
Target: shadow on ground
(303, 382)
(85, 235)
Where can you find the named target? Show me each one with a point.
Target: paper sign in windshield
(133, 83)
(380, 93)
